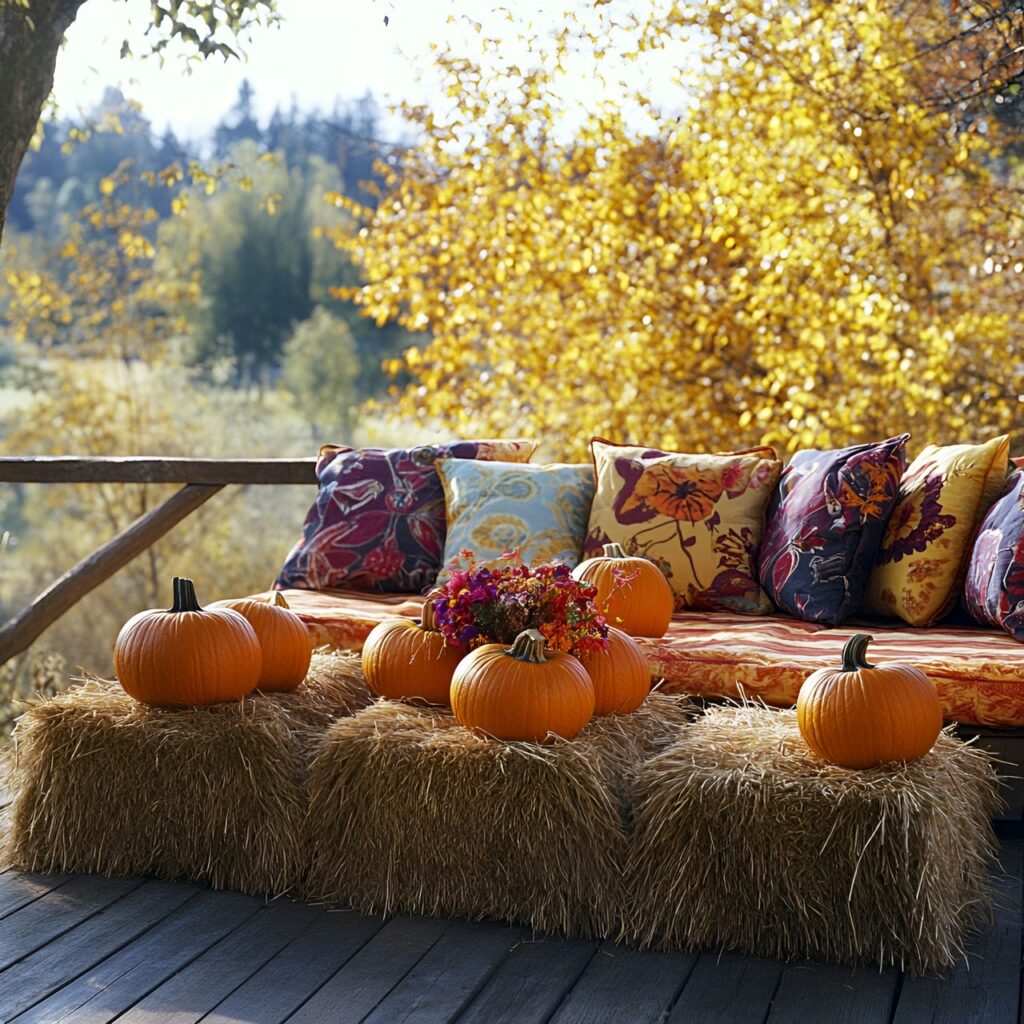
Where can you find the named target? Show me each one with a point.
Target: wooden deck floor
(92, 949)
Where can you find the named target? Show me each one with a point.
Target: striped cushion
(979, 673)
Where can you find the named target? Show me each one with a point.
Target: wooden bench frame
(202, 479)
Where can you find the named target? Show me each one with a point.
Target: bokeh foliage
(816, 244)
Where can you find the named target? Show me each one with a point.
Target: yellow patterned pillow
(943, 495)
(698, 517)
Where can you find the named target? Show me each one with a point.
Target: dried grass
(744, 840)
(411, 813)
(100, 783)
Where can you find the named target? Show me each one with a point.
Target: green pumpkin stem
(529, 646)
(614, 550)
(185, 599)
(855, 653)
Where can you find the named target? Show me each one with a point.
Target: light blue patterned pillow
(493, 508)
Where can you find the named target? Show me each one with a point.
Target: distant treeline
(254, 247)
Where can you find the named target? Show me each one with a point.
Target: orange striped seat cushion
(979, 673)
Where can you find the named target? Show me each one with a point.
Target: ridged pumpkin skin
(285, 642)
(522, 692)
(407, 659)
(620, 673)
(187, 656)
(862, 715)
(643, 605)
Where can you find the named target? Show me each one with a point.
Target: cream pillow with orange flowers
(943, 496)
(699, 518)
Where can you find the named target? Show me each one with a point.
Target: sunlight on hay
(745, 840)
(101, 783)
(409, 812)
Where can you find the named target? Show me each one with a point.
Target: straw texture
(743, 839)
(410, 812)
(101, 783)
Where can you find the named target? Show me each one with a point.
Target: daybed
(979, 672)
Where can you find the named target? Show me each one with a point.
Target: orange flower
(687, 494)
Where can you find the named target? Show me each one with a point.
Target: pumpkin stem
(529, 646)
(185, 599)
(427, 620)
(855, 653)
(614, 551)
(277, 599)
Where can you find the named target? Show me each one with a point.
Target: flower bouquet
(482, 605)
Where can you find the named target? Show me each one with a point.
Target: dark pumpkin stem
(529, 646)
(855, 653)
(277, 599)
(614, 551)
(185, 599)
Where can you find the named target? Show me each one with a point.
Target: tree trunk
(30, 39)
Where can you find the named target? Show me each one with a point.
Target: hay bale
(743, 839)
(411, 813)
(100, 783)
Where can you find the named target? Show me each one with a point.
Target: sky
(322, 52)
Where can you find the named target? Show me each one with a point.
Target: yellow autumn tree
(809, 243)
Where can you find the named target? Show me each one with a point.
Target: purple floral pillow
(994, 588)
(378, 520)
(825, 525)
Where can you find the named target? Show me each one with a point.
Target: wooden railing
(202, 478)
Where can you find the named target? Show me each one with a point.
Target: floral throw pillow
(994, 587)
(378, 522)
(698, 517)
(825, 524)
(942, 497)
(495, 508)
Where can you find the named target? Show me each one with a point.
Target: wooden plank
(130, 974)
(530, 983)
(626, 986)
(1007, 747)
(147, 469)
(440, 986)
(19, 888)
(284, 983)
(17, 634)
(813, 993)
(372, 973)
(50, 916)
(44, 971)
(987, 989)
(196, 990)
(729, 987)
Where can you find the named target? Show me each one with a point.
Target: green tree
(253, 251)
(320, 369)
(240, 124)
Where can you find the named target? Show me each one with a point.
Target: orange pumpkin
(408, 659)
(632, 593)
(862, 715)
(522, 692)
(187, 656)
(620, 674)
(284, 640)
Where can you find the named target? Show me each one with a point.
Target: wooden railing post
(203, 478)
(20, 632)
